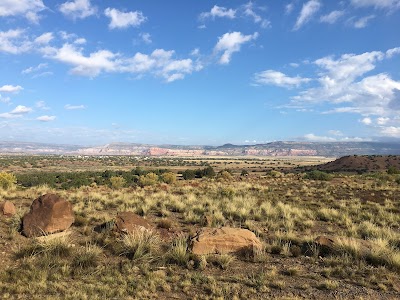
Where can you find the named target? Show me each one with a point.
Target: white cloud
(42, 105)
(27, 8)
(46, 118)
(218, 11)
(45, 38)
(335, 132)
(14, 41)
(146, 37)
(363, 22)
(74, 107)
(120, 19)
(16, 112)
(382, 121)
(366, 121)
(78, 9)
(9, 116)
(80, 41)
(159, 63)
(6, 100)
(308, 10)
(346, 80)
(230, 43)
(379, 4)
(11, 88)
(332, 17)
(289, 8)
(390, 131)
(20, 110)
(91, 66)
(315, 138)
(249, 11)
(392, 52)
(271, 77)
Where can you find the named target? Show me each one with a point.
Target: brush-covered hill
(362, 163)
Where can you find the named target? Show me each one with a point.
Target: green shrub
(148, 179)
(318, 175)
(7, 180)
(117, 182)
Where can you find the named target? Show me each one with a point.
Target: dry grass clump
(140, 245)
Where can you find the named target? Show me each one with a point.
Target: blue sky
(199, 72)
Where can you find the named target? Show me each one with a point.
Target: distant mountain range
(331, 149)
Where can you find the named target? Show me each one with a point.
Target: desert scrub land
(288, 212)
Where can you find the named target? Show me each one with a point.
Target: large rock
(48, 214)
(333, 244)
(224, 240)
(7, 208)
(130, 222)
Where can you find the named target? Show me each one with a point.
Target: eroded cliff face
(333, 149)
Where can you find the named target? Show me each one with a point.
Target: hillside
(365, 163)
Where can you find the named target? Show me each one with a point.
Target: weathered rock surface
(224, 240)
(333, 244)
(48, 214)
(7, 208)
(130, 222)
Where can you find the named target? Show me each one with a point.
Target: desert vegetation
(323, 235)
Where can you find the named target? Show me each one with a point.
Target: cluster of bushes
(7, 180)
(198, 173)
(115, 179)
(318, 175)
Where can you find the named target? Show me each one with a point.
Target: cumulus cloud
(78, 9)
(332, 17)
(74, 107)
(27, 8)
(120, 19)
(271, 77)
(366, 121)
(46, 118)
(16, 112)
(160, 63)
(378, 4)
(230, 43)
(346, 85)
(308, 10)
(14, 41)
(219, 12)
(11, 88)
(390, 131)
(20, 110)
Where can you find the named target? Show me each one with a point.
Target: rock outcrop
(129, 222)
(48, 214)
(224, 240)
(334, 244)
(7, 208)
